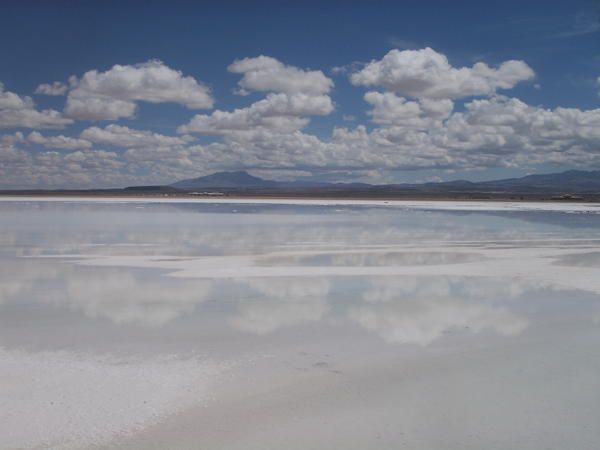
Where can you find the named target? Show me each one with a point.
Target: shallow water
(248, 325)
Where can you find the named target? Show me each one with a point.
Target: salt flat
(256, 325)
(442, 205)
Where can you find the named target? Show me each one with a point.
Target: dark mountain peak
(233, 179)
(232, 173)
(238, 176)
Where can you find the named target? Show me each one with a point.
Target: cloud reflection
(430, 259)
(281, 303)
(121, 296)
(398, 309)
(421, 310)
(125, 299)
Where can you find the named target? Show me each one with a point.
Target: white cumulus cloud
(121, 136)
(113, 94)
(283, 112)
(19, 112)
(427, 73)
(54, 89)
(295, 94)
(414, 126)
(264, 73)
(59, 142)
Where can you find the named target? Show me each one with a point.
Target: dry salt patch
(429, 205)
(62, 400)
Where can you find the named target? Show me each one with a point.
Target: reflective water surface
(190, 325)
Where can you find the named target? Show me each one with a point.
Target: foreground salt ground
(299, 326)
(63, 400)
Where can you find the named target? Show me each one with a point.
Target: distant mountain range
(579, 181)
(570, 185)
(572, 181)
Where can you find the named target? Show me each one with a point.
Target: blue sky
(548, 102)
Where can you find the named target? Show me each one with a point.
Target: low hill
(218, 180)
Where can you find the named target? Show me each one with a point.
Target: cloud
(427, 73)
(412, 129)
(354, 66)
(83, 106)
(12, 159)
(403, 44)
(113, 94)
(439, 109)
(12, 101)
(31, 118)
(294, 95)
(10, 139)
(583, 23)
(282, 112)
(52, 169)
(390, 109)
(60, 142)
(493, 132)
(510, 126)
(121, 136)
(55, 89)
(267, 74)
(19, 112)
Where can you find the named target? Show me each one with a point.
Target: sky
(113, 94)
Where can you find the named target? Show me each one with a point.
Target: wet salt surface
(186, 325)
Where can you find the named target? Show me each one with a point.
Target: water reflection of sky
(237, 281)
(116, 261)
